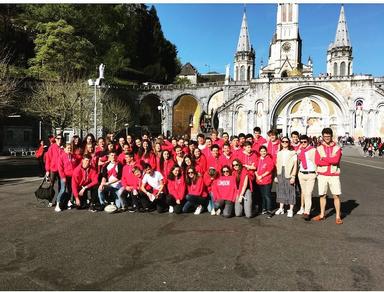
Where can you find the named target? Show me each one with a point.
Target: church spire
(342, 38)
(244, 44)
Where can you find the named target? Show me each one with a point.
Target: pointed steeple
(244, 44)
(342, 38)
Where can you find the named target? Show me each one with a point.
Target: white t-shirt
(116, 185)
(154, 180)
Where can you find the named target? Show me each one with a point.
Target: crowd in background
(228, 176)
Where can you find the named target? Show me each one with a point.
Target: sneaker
(198, 210)
(269, 214)
(57, 208)
(132, 209)
(279, 211)
(213, 212)
(50, 205)
(300, 212)
(170, 209)
(69, 205)
(264, 212)
(92, 208)
(218, 212)
(290, 213)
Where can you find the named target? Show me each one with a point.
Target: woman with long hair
(200, 161)
(243, 203)
(264, 174)
(196, 195)
(176, 190)
(145, 155)
(187, 163)
(286, 170)
(165, 164)
(77, 150)
(89, 139)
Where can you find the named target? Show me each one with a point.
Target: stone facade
(285, 95)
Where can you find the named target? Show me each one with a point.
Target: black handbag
(45, 191)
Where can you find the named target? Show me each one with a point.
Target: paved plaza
(80, 250)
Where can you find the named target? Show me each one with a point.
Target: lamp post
(126, 129)
(96, 83)
(161, 109)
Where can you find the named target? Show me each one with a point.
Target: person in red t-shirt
(200, 161)
(224, 193)
(264, 173)
(176, 190)
(196, 195)
(258, 139)
(243, 202)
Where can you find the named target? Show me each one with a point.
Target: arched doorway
(186, 116)
(308, 111)
(215, 101)
(149, 114)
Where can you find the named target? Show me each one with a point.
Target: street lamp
(161, 109)
(95, 84)
(126, 129)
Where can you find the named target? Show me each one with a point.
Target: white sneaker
(170, 209)
(57, 208)
(70, 204)
(290, 213)
(300, 212)
(218, 212)
(50, 205)
(279, 211)
(198, 210)
(213, 212)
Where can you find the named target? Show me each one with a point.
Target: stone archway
(186, 115)
(149, 114)
(215, 101)
(308, 111)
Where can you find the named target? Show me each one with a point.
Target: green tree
(61, 103)
(59, 52)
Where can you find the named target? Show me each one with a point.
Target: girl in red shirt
(243, 202)
(264, 180)
(196, 194)
(200, 161)
(176, 190)
(165, 164)
(224, 192)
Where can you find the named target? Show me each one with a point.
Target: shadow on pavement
(346, 207)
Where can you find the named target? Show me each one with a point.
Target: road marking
(19, 180)
(367, 165)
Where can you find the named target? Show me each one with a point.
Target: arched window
(249, 73)
(342, 69)
(242, 73)
(335, 69)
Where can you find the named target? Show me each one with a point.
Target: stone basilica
(285, 95)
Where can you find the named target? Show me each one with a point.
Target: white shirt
(153, 180)
(310, 165)
(116, 185)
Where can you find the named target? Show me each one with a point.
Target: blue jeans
(64, 187)
(116, 193)
(266, 196)
(211, 203)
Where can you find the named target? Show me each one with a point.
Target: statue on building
(359, 116)
(101, 71)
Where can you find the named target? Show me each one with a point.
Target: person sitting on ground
(153, 186)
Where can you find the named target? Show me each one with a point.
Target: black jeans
(171, 201)
(193, 201)
(266, 196)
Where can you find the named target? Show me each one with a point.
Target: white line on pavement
(367, 165)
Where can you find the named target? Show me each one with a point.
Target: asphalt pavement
(80, 250)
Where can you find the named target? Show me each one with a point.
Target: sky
(206, 35)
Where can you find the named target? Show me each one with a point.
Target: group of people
(372, 146)
(228, 176)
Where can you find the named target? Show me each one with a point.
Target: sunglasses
(191, 172)
(235, 164)
(284, 141)
(303, 142)
(226, 171)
